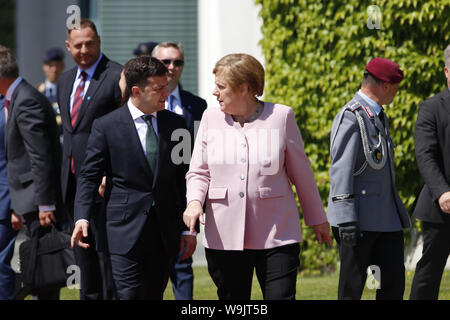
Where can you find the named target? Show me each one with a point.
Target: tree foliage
(315, 54)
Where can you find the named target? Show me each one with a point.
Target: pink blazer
(243, 174)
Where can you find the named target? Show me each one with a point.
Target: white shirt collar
(91, 70)
(12, 87)
(372, 103)
(135, 112)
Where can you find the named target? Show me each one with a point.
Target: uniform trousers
(276, 271)
(429, 269)
(382, 249)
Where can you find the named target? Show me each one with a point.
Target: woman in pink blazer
(246, 154)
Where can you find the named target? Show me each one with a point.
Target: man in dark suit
(191, 108)
(86, 92)
(33, 153)
(432, 142)
(145, 189)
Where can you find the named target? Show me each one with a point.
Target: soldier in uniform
(364, 208)
(53, 66)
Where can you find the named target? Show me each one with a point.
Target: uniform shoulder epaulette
(357, 106)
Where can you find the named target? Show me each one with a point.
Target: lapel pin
(89, 98)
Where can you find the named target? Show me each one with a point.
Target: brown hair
(239, 68)
(8, 63)
(85, 23)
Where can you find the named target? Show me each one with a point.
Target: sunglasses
(176, 63)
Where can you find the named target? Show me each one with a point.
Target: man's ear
(135, 91)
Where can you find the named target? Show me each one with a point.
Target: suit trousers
(429, 269)
(96, 278)
(276, 271)
(143, 272)
(7, 274)
(32, 226)
(182, 278)
(382, 249)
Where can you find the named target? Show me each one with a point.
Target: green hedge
(315, 55)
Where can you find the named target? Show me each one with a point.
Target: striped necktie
(78, 99)
(151, 143)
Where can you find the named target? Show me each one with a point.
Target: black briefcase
(44, 261)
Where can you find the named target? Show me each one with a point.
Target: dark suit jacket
(102, 96)
(33, 150)
(432, 142)
(114, 148)
(5, 200)
(193, 107)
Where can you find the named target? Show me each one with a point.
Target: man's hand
(16, 221)
(102, 187)
(444, 202)
(46, 218)
(322, 232)
(193, 212)
(79, 232)
(188, 244)
(349, 234)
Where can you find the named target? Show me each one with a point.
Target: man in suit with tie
(85, 93)
(364, 208)
(145, 189)
(191, 108)
(432, 142)
(33, 154)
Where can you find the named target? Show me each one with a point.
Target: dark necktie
(78, 99)
(381, 116)
(151, 143)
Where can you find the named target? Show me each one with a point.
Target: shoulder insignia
(369, 112)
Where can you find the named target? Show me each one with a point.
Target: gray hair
(8, 63)
(447, 56)
(177, 46)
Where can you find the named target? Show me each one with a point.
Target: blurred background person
(252, 219)
(144, 48)
(191, 108)
(53, 66)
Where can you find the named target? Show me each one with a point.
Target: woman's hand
(322, 232)
(193, 212)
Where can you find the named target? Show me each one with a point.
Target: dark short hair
(370, 79)
(85, 23)
(138, 70)
(8, 63)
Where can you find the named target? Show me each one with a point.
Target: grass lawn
(308, 288)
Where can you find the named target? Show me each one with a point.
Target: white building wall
(225, 26)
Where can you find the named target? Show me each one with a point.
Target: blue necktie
(170, 103)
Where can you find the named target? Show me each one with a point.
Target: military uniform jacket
(362, 176)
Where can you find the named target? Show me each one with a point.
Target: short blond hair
(239, 68)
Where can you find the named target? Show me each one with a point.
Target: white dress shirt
(89, 75)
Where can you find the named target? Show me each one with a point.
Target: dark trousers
(429, 269)
(32, 227)
(382, 249)
(182, 278)
(143, 272)
(7, 274)
(95, 267)
(276, 270)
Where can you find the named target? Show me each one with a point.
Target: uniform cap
(385, 70)
(145, 48)
(53, 54)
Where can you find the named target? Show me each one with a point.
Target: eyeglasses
(176, 63)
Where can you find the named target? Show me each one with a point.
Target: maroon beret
(385, 69)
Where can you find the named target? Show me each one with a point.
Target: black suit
(143, 210)
(33, 155)
(193, 108)
(103, 96)
(432, 142)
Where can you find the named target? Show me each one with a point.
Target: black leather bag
(44, 261)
